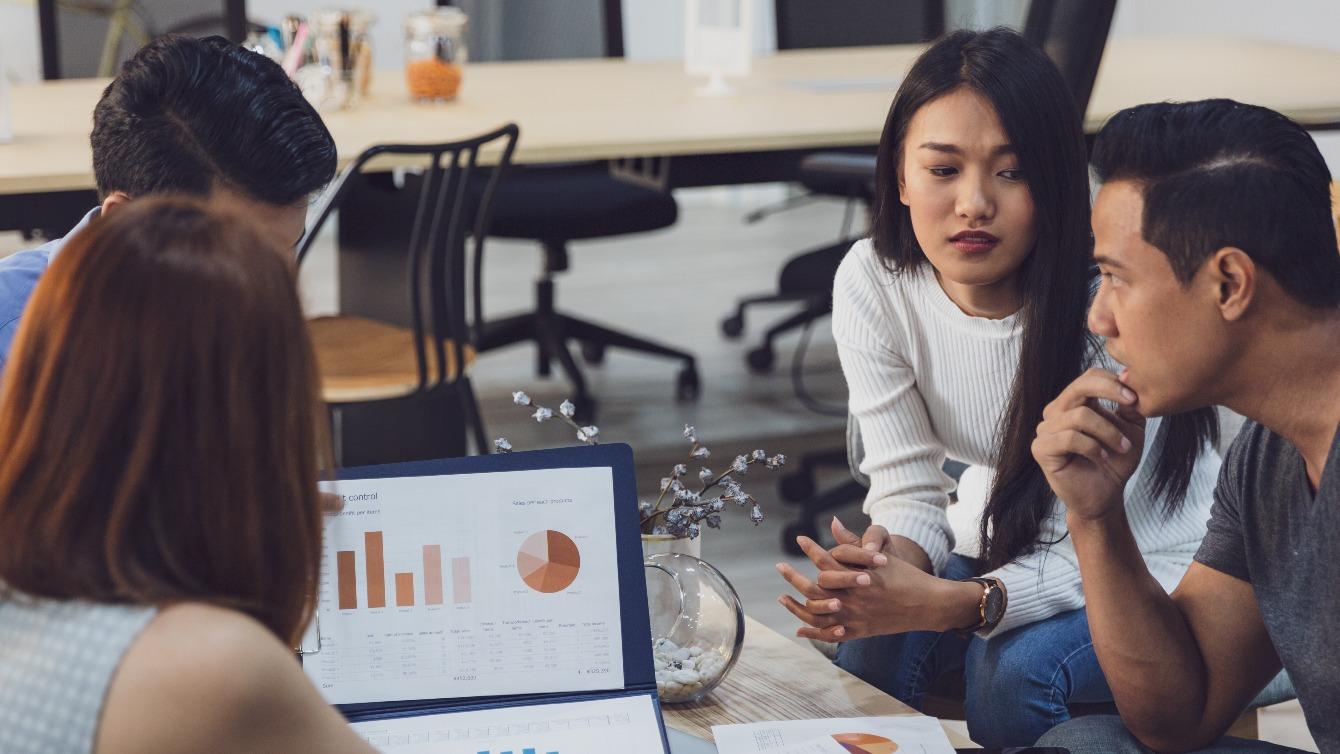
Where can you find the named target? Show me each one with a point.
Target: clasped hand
(862, 589)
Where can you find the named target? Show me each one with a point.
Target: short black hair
(187, 115)
(1218, 173)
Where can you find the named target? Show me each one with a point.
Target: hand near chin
(861, 589)
(1087, 451)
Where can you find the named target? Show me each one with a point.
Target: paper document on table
(469, 585)
(625, 725)
(906, 734)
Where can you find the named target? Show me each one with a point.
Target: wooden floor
(675, 286)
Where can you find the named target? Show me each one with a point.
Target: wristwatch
(992, 608)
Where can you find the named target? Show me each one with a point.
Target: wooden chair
(368, 361)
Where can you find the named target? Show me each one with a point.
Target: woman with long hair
(956, 323)
(160, 523)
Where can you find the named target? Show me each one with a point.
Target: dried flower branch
(678, 511)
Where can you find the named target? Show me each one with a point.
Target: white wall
(654, 29)
(1307, 22)
(20, 55)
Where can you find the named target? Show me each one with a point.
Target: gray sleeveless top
(57, 659)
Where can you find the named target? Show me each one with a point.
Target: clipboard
(638, 672)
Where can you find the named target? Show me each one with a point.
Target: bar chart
(507, 591)
(372, 587)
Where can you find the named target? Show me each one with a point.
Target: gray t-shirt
(1267, 528)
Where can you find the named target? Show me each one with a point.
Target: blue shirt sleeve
(19, 274)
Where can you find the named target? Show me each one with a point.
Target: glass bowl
(697, 625)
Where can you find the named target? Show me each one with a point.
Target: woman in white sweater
(956, 324)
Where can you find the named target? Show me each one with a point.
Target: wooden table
(598, 109)
(779, 679)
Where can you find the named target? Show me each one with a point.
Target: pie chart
(548, 561)
(865, 743)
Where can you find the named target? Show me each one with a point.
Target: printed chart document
(626, 725)
(468, 585)
(906, 734)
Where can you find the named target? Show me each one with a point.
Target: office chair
(1074, 36)
(557, 205)
(806, 279)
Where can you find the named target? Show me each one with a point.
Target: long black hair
(1045, 128)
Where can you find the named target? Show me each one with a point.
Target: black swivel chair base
(551, 330)
(807, 279)
(762, 357)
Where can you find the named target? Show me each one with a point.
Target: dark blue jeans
(1018, 684)
(1105, 734)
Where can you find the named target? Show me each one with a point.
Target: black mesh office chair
(806, 279)
(556, 205)
(1074, 36)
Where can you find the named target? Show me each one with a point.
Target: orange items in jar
(430, 78)
(435, 53)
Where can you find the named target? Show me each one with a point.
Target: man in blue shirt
(194, 116)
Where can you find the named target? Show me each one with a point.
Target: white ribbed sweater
(927, 381)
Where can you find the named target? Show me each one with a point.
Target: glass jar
(435, 53)
(697, 625)
(342, 48)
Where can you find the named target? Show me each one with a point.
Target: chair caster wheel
(593, 353)
(796, 487)
(687, 385)
(760, 360)
(732, 326)
(792, 531)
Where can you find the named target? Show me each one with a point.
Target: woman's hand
(875, 539)
(860, 592)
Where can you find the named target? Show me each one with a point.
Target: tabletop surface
(598, 109)
(779, 679)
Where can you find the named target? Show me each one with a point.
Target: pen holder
(697, 625)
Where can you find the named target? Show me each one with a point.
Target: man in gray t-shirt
(1220, 286)
(1269, 529)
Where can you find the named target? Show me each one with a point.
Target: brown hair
(159, 431)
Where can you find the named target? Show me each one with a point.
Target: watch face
(995, 605)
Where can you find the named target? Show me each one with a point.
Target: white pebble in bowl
(682, 671)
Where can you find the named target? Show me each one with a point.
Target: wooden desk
(778, 679)
(598, 109)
